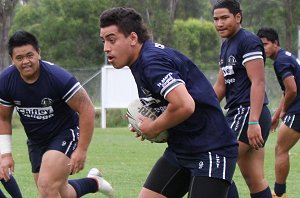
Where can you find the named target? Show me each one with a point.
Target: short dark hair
(232, 5)
(269, 33)
(21, 38)
(127, 20)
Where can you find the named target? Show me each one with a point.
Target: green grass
(126, 161)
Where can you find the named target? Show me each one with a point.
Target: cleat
(103, 185)
(275, 196)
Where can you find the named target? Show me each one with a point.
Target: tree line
(68, 30)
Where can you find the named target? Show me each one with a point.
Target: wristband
(251, 123)
(5, 143)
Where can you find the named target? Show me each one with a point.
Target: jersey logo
(46, 102)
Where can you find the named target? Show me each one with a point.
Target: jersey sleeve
(5, 98)
(161, 76)
(64, 81)
(252, 49)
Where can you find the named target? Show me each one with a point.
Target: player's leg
(12, 187)
(208, 187)
(166, 179)
(53, 175)
(251, 164)
(2, 194)
(286, 139)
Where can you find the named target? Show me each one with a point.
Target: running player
(201, 154)
(287, 69)
(52, 106)
(241, 80)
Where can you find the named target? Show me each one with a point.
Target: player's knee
(280, 150)
(46, 187)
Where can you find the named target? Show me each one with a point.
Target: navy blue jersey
(157, 71)
(235, 52)
(41, 105)
(286, 65)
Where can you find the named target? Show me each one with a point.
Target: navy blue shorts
(65, 142)
(237, 119)
(292, 121)
(174, 177)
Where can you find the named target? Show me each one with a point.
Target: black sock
(262, 194)
(233, 192)
(84, 186)
(279, 189)
(12, 187)
(2, 195)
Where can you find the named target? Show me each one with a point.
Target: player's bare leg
(251, 164)
(146, 193)
(53, 182)
(286, 139)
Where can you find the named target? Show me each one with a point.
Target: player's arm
(256, 74)
(7, 162)
(219, 86)
(290, 93)
(180, 107)
(276, 116)
(82, 104)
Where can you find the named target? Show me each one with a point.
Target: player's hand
(254, 136)
(6, 166)
(77, 161)
(274, 124)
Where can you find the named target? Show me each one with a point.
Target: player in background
(201, 154)
(287, 69)
(10, 186)
(58, 118)
(241, 81)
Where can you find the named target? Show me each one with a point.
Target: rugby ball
(134, 110)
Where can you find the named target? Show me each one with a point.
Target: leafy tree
(68, 30)
(198, 40)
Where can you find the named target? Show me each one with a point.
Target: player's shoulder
(8, 71)
(248, 36)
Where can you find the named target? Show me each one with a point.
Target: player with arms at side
(58, 118)
(287, 69)
(201, 154)
(241, 80)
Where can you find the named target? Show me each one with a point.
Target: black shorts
(237, 119)
(65, 142)
(292, 121)
(174, 177)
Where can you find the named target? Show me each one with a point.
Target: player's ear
(39, 52)
(134, 38)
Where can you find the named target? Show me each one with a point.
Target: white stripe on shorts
(224, 167)
(71, 143)
(210, 164)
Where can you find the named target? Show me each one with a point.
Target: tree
(6, 13)
(198, 40)
(68, 31)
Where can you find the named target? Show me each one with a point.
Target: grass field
(125, 162)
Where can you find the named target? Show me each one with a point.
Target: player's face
(270, 48)
(120, 50)
(26, 59)
(226, 23)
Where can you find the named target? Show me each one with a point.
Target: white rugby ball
(134, 110)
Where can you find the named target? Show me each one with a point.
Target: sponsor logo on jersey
(166, 80)
(39, 113)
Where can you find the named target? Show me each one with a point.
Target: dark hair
(127, 20)
(269, 33)
(21, 38)
(232, 5)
